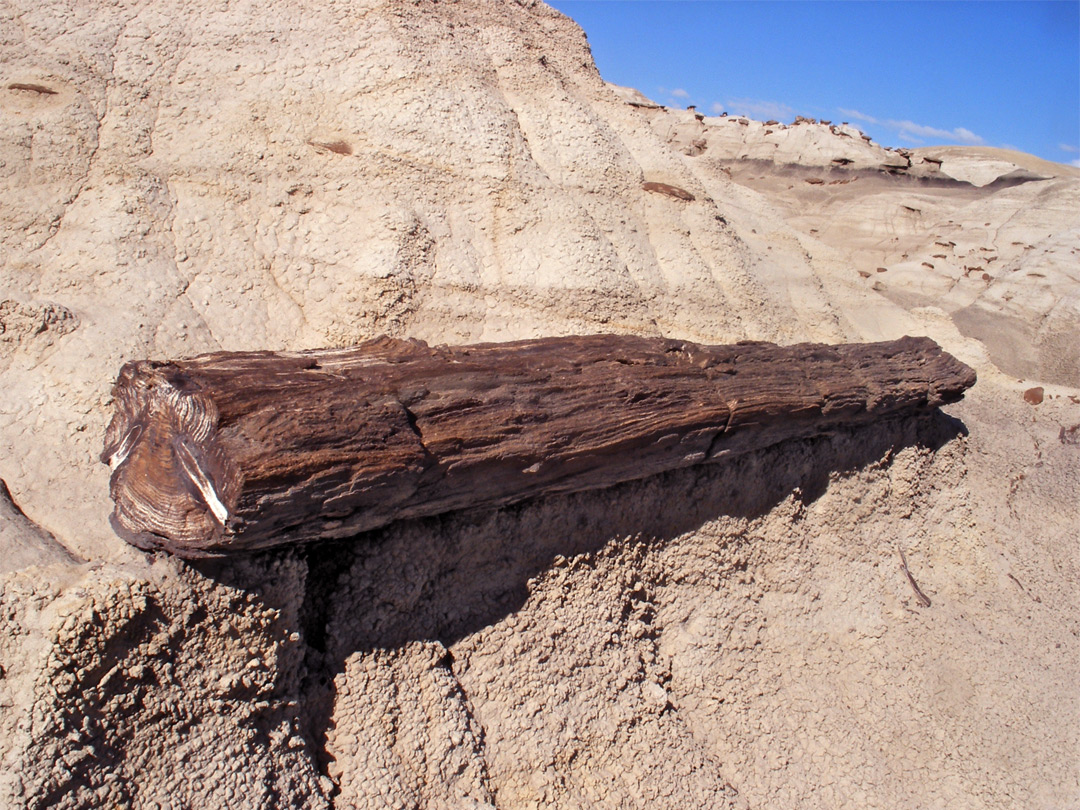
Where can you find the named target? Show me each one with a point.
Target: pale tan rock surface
(186, 176)
(23, 543)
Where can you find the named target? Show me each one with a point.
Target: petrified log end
(168, 481)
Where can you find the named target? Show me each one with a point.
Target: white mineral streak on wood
(120, 454)
(200, 479)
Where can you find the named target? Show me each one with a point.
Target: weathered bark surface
(239, 451)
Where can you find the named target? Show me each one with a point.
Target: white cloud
(1075, 163)
(716, 108)
(1064, 147)
(913, 131)
(967, 136)
(858, 116)
(678, 92)
(757, 108)
(917, 133)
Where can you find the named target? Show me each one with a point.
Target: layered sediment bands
(240, 451)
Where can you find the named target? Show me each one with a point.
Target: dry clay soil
(185, 176)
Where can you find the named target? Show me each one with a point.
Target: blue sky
(908, 73)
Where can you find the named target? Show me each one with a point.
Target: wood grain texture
(241, 451)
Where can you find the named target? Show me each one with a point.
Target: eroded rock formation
(184, 177)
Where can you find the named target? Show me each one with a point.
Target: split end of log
(240, 451)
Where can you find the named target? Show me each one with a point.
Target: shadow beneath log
(441, 579)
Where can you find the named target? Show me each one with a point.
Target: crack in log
(240, 451)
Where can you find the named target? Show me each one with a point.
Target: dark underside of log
(240, 451)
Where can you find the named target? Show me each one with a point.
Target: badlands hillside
(183, 176)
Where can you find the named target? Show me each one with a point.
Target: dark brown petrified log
(239, 451)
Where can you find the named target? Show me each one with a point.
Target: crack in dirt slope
(736, 635)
